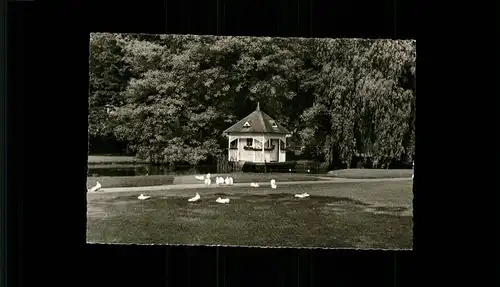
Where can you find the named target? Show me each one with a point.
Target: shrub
(359, 164)
(304, 165)
(323, 167)
(269, 167)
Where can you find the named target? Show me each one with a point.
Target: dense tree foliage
(171, 96)
(363, 100)
(109, 76)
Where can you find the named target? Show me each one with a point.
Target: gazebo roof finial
(258, 106)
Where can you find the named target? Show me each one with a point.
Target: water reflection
(138, 170)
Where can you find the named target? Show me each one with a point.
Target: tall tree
(359, 100)
(108, 77)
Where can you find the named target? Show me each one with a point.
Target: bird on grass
(228, 180)
(143, 197)
(222, 200)
(302, 195)
(220, 180)
(96, 187)
(253, 184)
(200, 177)
(273, 184)
(208, 181)
(195, 198)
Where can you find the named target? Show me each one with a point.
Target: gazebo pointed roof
(257, 122)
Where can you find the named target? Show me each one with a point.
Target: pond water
(145, 169)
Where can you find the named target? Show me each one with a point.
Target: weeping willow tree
(364, 100)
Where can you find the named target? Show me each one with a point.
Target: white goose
(195, 198)
(230, 181)
(273, 184)
(143, 197)
(96, 187)
(226, 181)
(222, 200)
(208, 181)
(253, 184)
(302, 195)
(221, 180)
(200, 177)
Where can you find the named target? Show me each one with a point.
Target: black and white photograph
(251, 141)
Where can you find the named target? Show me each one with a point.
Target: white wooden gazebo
(257, 138)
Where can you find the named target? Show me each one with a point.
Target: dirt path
(326, 180)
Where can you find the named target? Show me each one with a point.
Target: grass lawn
(371, 173)
(100, 159)
(151, 180)
(349, 215)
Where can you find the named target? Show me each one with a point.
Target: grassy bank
(115, 165)
(371, 173)
(130, 181)
(104, 159)
(331, 217)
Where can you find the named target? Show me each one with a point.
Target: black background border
(47, 105)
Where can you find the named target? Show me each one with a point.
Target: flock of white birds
(208, 181)
(218, 181)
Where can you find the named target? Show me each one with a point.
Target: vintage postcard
(251, 141)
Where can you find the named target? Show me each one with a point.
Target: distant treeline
(169, 97)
